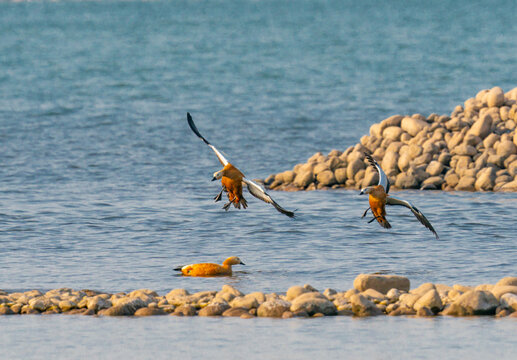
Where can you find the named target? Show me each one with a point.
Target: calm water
(102, 184)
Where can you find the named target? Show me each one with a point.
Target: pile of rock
(371, 295)
(475, 148)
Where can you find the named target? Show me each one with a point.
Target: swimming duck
(210, 269)
(379, 198)
(232, 180)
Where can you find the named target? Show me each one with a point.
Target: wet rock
(150, 311)
(6, 310)
(381, 283)
(235, 312)
(273, 308)
(215, 309)
(402, 310)
(185, 310)
(424, 312)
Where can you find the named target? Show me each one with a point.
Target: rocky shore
(472, 149)
(371, 295)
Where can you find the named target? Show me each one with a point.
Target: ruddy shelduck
(379, 198)
(210, 269)
(232, 180)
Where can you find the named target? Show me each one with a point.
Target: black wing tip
(288, 213)
(194, 128)
(178, 268)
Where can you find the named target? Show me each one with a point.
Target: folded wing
(193, 127)
(394, 201)
(259, 193)
(383, 179)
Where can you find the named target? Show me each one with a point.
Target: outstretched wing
(383, 179)
(259, 193)
(222, 159)
(394, 201)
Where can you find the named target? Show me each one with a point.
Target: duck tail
(383, 222)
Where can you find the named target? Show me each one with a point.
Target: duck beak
(242, 263)
(361, 193)
(214, 178)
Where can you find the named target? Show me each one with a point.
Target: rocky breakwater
(371, 295)
(472, 149)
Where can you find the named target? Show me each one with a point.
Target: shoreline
(472, 149)
(372, 295)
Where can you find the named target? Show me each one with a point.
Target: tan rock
(294, 291)
(285, 177)
(361, 306)
(506, 148)
(433, 182)
(434, 168)
(312, 303)
(485, 179)
(452, 179)
(392, 133)
(478, 302)
(500, 290)
(389, 162)
(490, 140)
(381, 283)
(482, 126)
(326, 178)
(408, 300)
(303, 179)
(406, 181)
(423, 289)
(185, 310)
(431, 300)
(510, 280)
(464, 150)
(340, 175)
(354, 167)
(150, 311)
(403, 162)
(509, 301)
(466, 183)
(273, 308)
(214, 309)
(495, 97)
(412, 125)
